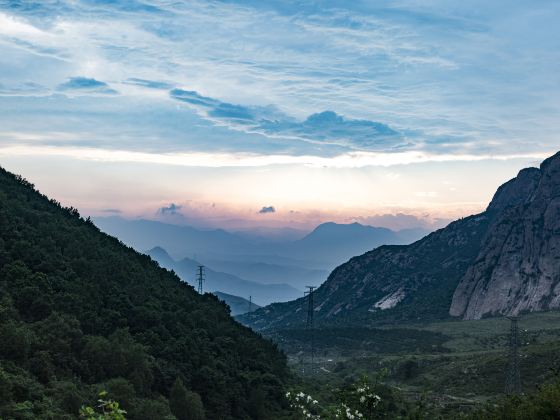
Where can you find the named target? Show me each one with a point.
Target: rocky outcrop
(518, 266)
(503, 261)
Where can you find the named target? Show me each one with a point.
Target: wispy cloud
(152, 84)
(23, 89)
(251, 160)
(326, 127)
(337, 77)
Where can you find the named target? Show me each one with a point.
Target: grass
(458, 361)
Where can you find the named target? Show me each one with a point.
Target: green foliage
(80, 312)
(184, 404)
(105, 410)
(541, 405)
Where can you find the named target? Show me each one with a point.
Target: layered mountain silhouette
(306, 261)
(503, 261)
(237, 305)
(216, 281)
(335, 242)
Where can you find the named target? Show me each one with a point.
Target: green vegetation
(544, 404)
(105, 410)
(451, 369)
(80, 312)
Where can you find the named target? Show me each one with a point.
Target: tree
(185, 404)
(105, 410)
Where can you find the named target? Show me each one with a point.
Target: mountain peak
(158, 250)
(517, 190)
(500, 262)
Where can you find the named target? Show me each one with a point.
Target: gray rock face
(518, 266)
(501, 262)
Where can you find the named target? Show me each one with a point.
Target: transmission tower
(250, 303)
(200, 278)
(310, 326)
(513, 379)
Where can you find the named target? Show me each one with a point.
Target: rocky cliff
(518, 266)
(500, 262)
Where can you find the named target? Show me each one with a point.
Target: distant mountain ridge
(296, 262)
(216, 281)
(501, 262)
(338, 242)
(238, 305)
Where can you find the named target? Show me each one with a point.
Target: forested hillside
(80, 312)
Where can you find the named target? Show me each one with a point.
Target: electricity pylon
(200, 278)
(513, 379)
(310, 325)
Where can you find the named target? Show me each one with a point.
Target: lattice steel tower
(310, 326)
(200, 278)
(513, 379)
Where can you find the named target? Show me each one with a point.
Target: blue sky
(273, 103)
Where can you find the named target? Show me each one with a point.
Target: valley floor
(452, 365)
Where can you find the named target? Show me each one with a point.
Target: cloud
(23, 89)
(151, 84)
(326, 127)
(86, 86)
(231, 160)
(267, 209)
(378, 69)
(114, 211)
(171, 209)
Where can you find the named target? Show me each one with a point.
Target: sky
(238, 114)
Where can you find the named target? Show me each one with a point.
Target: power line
(513, 379)
(200, 278)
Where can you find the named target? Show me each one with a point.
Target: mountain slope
(518, 266)
(215, 281)
(80, 312)
(238, 305)
(265, 273)
(390, 283)
(500, 262)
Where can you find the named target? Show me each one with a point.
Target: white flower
(315, 402)
(362, 399)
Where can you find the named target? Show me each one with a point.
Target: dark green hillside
(81, 312)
